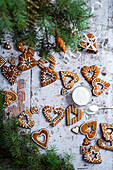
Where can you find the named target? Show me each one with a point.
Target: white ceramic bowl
(82, 95)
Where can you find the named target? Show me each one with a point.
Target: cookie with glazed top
(102, 144)
(77, 112)
(10, 73)
(28, 116)
(26, 62)
(92, 69)
(10, 97)
(96, 82)
(84, 129)
(53, 76)
(74, 79)
(42, 132)
(88, 155)
(88, 43)
(43, 61)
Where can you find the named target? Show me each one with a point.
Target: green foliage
(34, 22)
(20, 152)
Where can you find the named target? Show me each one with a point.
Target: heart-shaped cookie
(64, 91)
(75, 129)
(70, 84)
(103, 83)
(101, 143)
(50, 59)
(2, 61)
(43, 132)
(46, 111)
(85, 70)
(27, 62)
(90, 134)
(86, 142)
(9, 98)
(61, 114)
(107, 135)
(88, 155)
(77, 112)
(46, 81)
(83, 149)
(10, 73)
(88, 43)
(30, 121)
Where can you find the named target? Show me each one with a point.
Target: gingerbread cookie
(20, 46)
(30, 121)
(61, 114)
(75, 129)
(45, 133)
(70, 84)
(90, 134)
(86, 142)
(88, 155)
(50, 59)
(107, 135)
(64, 91)
(7, 46)
(46, 81)
(10, 73)
(101, 143)
(9, 98)
(27, 62)
(88, 43)
(97, 81)
(2, 61)
(77, 112)
(83, 149)
(85, 70)
(46, 111)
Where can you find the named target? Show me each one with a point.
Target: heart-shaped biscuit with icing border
(46, 81)
(107, 135)
(61, 114)
(9, 98)
(88, 43)
(30, 121)
(85, 70)
(45, 133)
(98, 81)
(86, 142)
(2, 61)
(90, 134)
(26, 62)
(10, 73)
(70, 84)
(88, 155)
(77, 112)
(51, 59)
(101, 143)
(46, 111)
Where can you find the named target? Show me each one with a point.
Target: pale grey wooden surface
(38, 96)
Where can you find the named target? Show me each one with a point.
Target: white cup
(82, 95)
